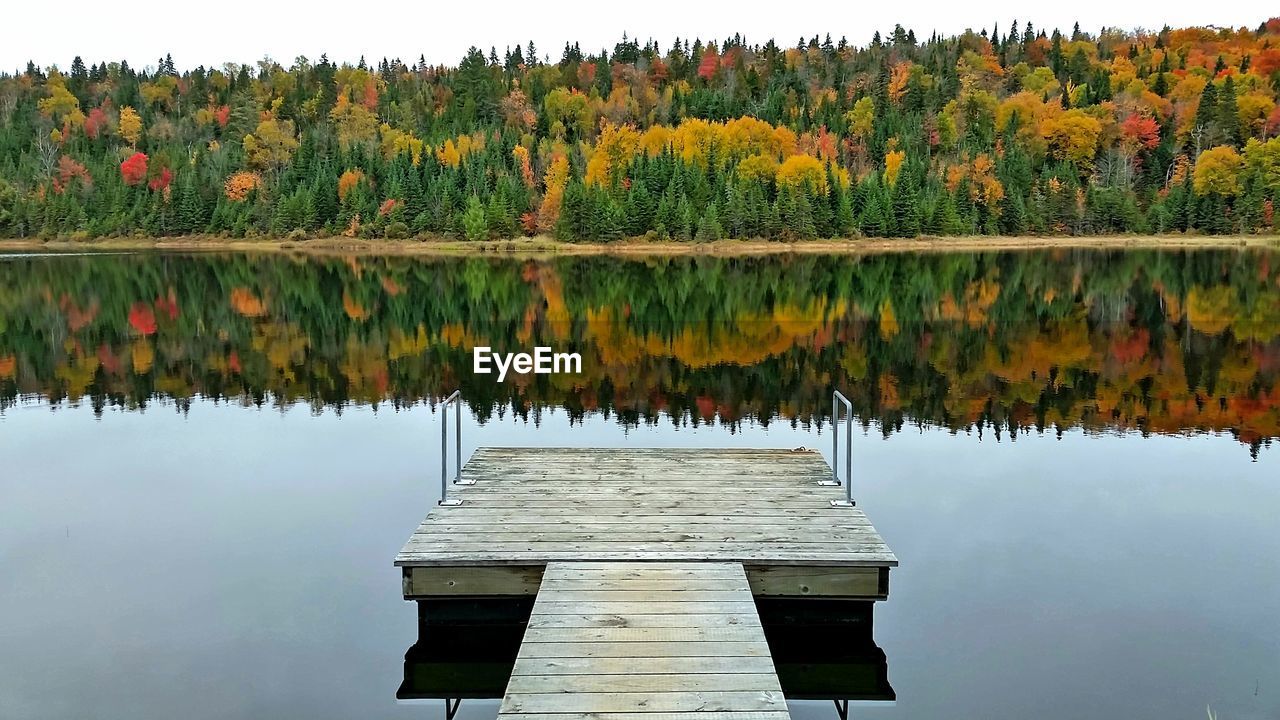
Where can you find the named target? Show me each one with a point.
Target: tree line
(1015, 131)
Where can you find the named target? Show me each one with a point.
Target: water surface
(209, 461)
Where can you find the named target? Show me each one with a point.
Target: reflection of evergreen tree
(1016, 341)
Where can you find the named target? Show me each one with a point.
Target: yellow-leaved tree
(799, 171)
(271, 145)
(557, 177)
(893, 166)
(399, 142)
(1218, 171)
(614, 150)
(355, 123)
(1073, 136)
(130, 126)
(861, 119)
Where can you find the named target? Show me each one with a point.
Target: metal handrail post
(444, 447)
(838, 398)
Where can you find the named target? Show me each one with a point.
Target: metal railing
(455, 398)
(836, 399)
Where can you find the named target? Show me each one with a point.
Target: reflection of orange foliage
(555, 312)
(353, 262)
(353, 308)
(247, 304)
(78, 318)
(889, 393)
(978, 298)
(1130, 347)
(1060, 344)
(390, 285)
(8, 366)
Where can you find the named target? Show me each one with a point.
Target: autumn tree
(1218, 172)
(800, 172)
(129, 127)
(568, 112)
(134, 169)
(272, 145)
(355, 124)
(1073, 136)
(556, 179)
(1032, 132)
(614, 149)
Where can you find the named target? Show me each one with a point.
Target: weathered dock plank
(639, 646)
(767, 509)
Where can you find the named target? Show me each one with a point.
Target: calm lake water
(208, 462)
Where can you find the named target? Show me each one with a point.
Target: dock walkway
(624, 640)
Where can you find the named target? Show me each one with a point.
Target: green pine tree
(1013, 215)
(683, 230)
(709, 229)
(906, 208)
(948, 219)
(1229, 113)
(475, 225)
(845, 224)
(873, 221)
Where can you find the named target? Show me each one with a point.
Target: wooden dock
(645, 565)
(628, 638)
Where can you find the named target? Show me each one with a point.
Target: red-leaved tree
(161, 180)
(710, 63)
(95, 123)
(1141, 130)
(134, 170)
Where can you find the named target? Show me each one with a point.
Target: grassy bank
(541, 246)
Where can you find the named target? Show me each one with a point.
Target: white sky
(212, 33)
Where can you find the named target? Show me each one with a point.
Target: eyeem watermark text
(542, 362)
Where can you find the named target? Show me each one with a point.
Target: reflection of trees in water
(1153, 341)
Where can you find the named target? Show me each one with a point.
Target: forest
(1013, 130)
(1040, 341)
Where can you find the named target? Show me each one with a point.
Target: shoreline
(545, 246)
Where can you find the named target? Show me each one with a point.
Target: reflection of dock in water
(466, 649)
(622, 582)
